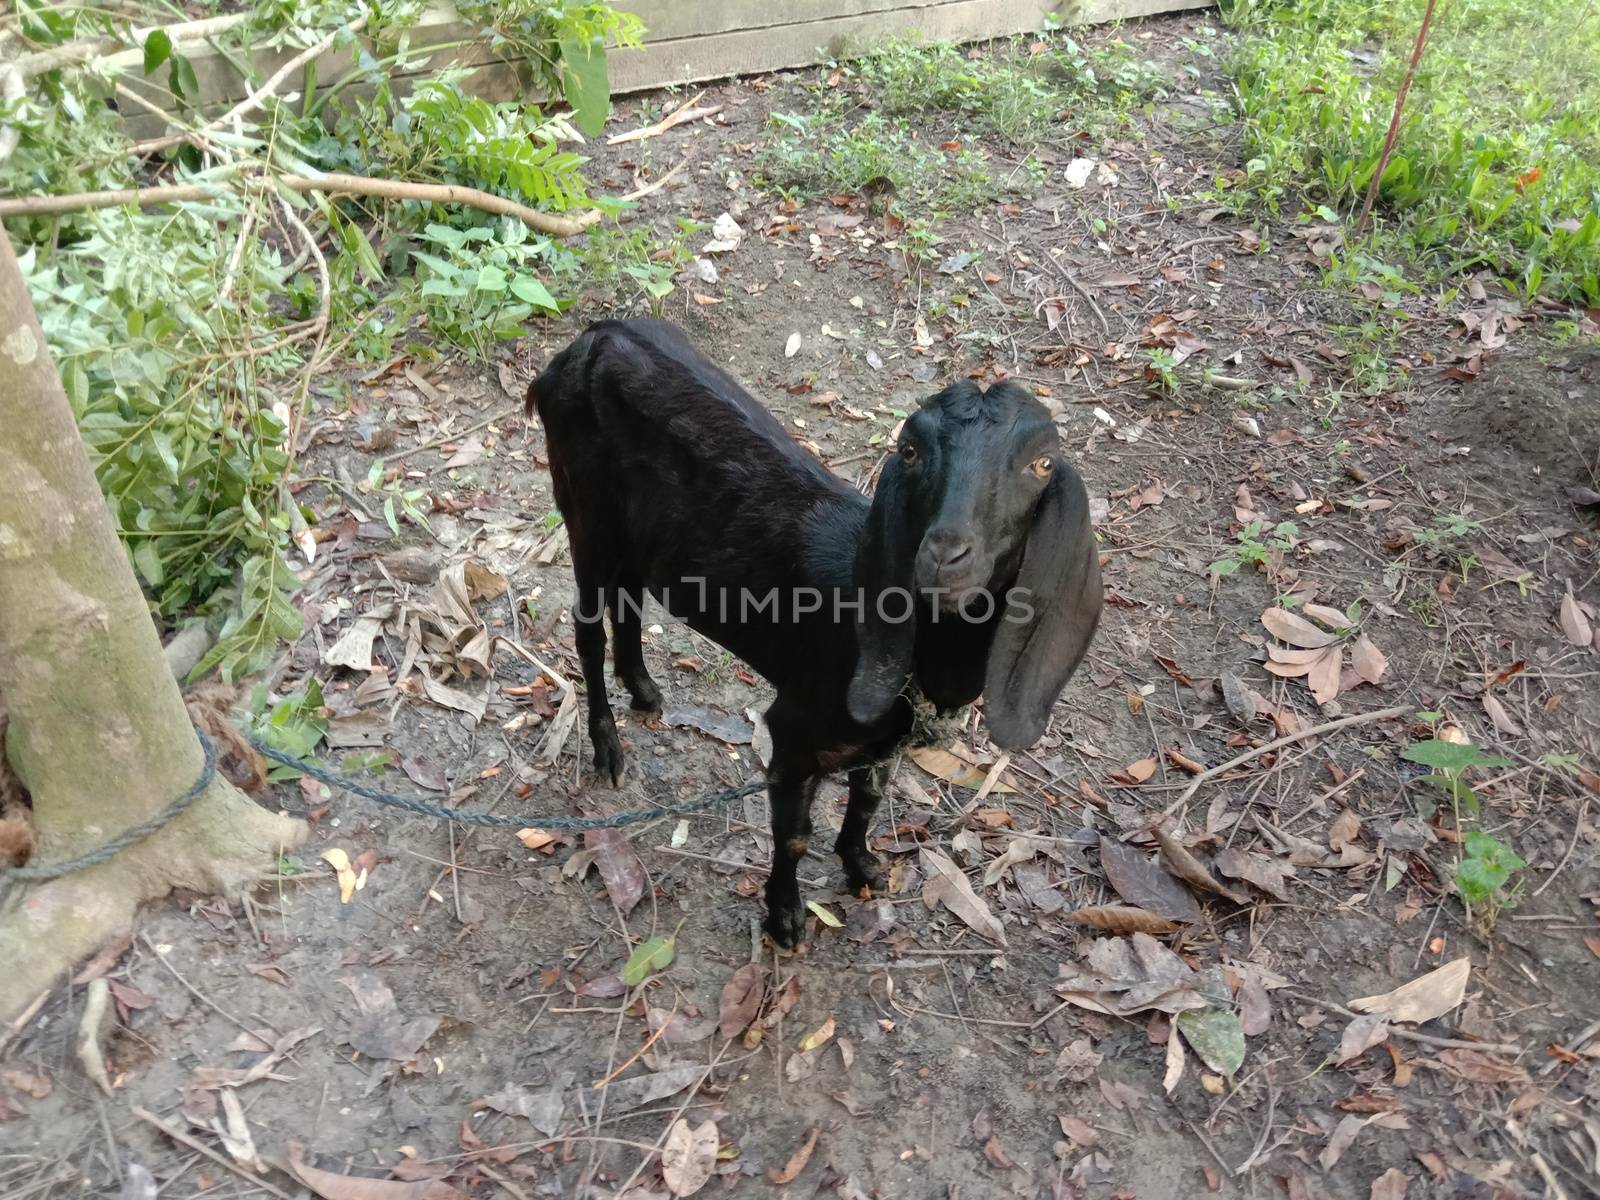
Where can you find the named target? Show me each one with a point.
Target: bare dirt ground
(449, 1028)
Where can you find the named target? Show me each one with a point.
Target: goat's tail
(569, 369)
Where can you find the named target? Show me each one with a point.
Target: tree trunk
(99, 733)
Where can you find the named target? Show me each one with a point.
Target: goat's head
(977, 513)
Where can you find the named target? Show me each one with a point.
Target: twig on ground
(660, 182)
(661, 1141)
(1266, 1132)
(183, 1138)
(684, 112)
(201, 996)
(1412, 1035)
(1382, 714)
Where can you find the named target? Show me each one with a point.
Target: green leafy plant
(1256, 545)
(1497, 160)
(296, 724)
(479, 283)
(1486, 866)
(1161, 371)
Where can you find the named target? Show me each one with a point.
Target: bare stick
(1394, 119)
(1382, 714)
(1411, 1035)
(183, 1138)
(331, 184)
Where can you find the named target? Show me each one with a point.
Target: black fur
(667, 472)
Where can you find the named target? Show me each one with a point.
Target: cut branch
(1394, 119)
(332, 184)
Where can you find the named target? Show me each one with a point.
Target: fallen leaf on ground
(1480, 1066)
(1078, 1061)
(816, 1037)
(1424, 998)
(1296, 630)
(1134, 773)
(381, 1031)
(1079, 1130)
(536, 839)
(996, 1154)
(1369, 662)
(1124, 976)
(355, 1187)
(648, 958)
(797, 1161)
(1391, 1185)
(1190, 869)
(1120, 918)
(689, 1156)
(542, 1108)
(1575, 626)
(1499, 717)
(1266, 873)
(620, 867)
(792, 346)
(1342, 1138)
(1145, 885)
(1360, 1036)
(824, 914)
(1175, 1062)
(950, 887)
(1214, 1032)
(340, 862)
(741, 999)
(624, 1095)
(944, 765)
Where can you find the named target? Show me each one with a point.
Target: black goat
(973, 569)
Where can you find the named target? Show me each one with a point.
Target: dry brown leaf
(1424, 998)
(1323, 679)
(689, 1156)
(1575, 626)
(1144, 885)
(944, 765)
(1266, 873)
(1361, 1035)
(817, 1036)
(1120, 918)
(1369, 662)
(1479, 1066)
(797, 1161)
(741, 999)
(1343, 1136)
(1078, 1130)
(1295, 629)
(1175, 1062)
(1289, 670)
(950, 886)
(1329, 616)
(1134, 773)
(1125, 976)
(620, 867)
(995, 1153)
(1343, 831)
(1290, 656)
(355, 1187)
(1498, 715)
(1391, 1185)
(1190, 869)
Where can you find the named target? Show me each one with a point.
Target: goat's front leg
(867, 786)
(590, 616)
(791, 787)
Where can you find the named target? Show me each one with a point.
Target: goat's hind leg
(627, 648)
(589, 614)
(867, 786)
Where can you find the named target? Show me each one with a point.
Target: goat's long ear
(883, 562)
(1031, 660)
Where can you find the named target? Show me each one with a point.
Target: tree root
(223, 844)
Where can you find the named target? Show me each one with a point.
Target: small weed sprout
(1257, 544)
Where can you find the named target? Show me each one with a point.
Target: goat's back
(668, 470)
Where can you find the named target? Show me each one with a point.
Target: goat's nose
(949, 551)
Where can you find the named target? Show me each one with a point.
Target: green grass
(1498, 158)
(1025, 92)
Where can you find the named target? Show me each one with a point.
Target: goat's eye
(908, 454)
(1042, 466)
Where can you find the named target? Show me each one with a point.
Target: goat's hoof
(786, 926)
(646, 697)
(608, 760)
(861, 874)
